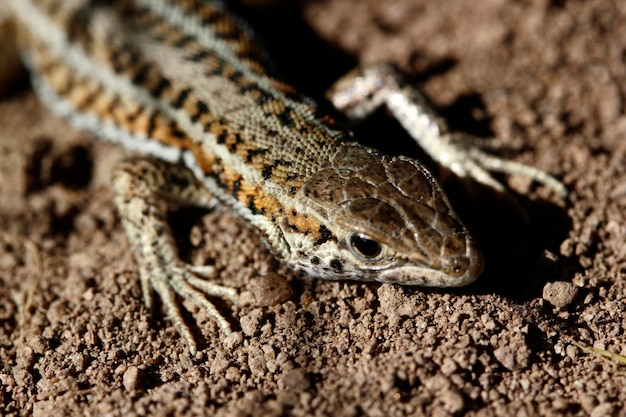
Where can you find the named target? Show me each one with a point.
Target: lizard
(185, 85)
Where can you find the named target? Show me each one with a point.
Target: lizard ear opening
(364, 248)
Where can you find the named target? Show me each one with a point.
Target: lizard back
(195, 91)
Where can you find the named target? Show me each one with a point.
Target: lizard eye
(364, 247)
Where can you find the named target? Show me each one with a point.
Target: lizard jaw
(469, 267)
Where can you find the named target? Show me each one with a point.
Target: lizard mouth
(453, 271)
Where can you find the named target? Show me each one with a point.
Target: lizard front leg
(141, 188)
(365, 89)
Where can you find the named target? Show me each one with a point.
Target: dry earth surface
(75, 338)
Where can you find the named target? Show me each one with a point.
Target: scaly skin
(183, 83)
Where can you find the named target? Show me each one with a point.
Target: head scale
(390, 222)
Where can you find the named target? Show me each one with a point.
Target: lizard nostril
(456, 266)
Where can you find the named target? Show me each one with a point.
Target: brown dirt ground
(75, 338)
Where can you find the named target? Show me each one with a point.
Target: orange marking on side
(303, 224)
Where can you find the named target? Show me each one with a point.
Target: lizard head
(386, 219)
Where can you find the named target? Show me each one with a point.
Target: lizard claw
(182, 279)
(468, 161)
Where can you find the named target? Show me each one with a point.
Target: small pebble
(132, 378)
(270, 289)
(560, 294)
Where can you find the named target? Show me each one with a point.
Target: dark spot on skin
(112, 105)
(253, 88)
(283, 163)
(315, 260)
(263, 98)
(235, 76)
(236, 187)
(91, 97)
(325, 235)
(293, 190)
(183, 41)
(151, 124)
(198, 56)
(132, 116)
(336, 265)
(178, 134)
(159, 229)
(182, 97)
(267, 171)
(140, 75)
(285, 118)
(254, 152)
(290, 226)
(201, 109)
(163, 84)
(215, 72)
(221, 138)
(252, 207)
